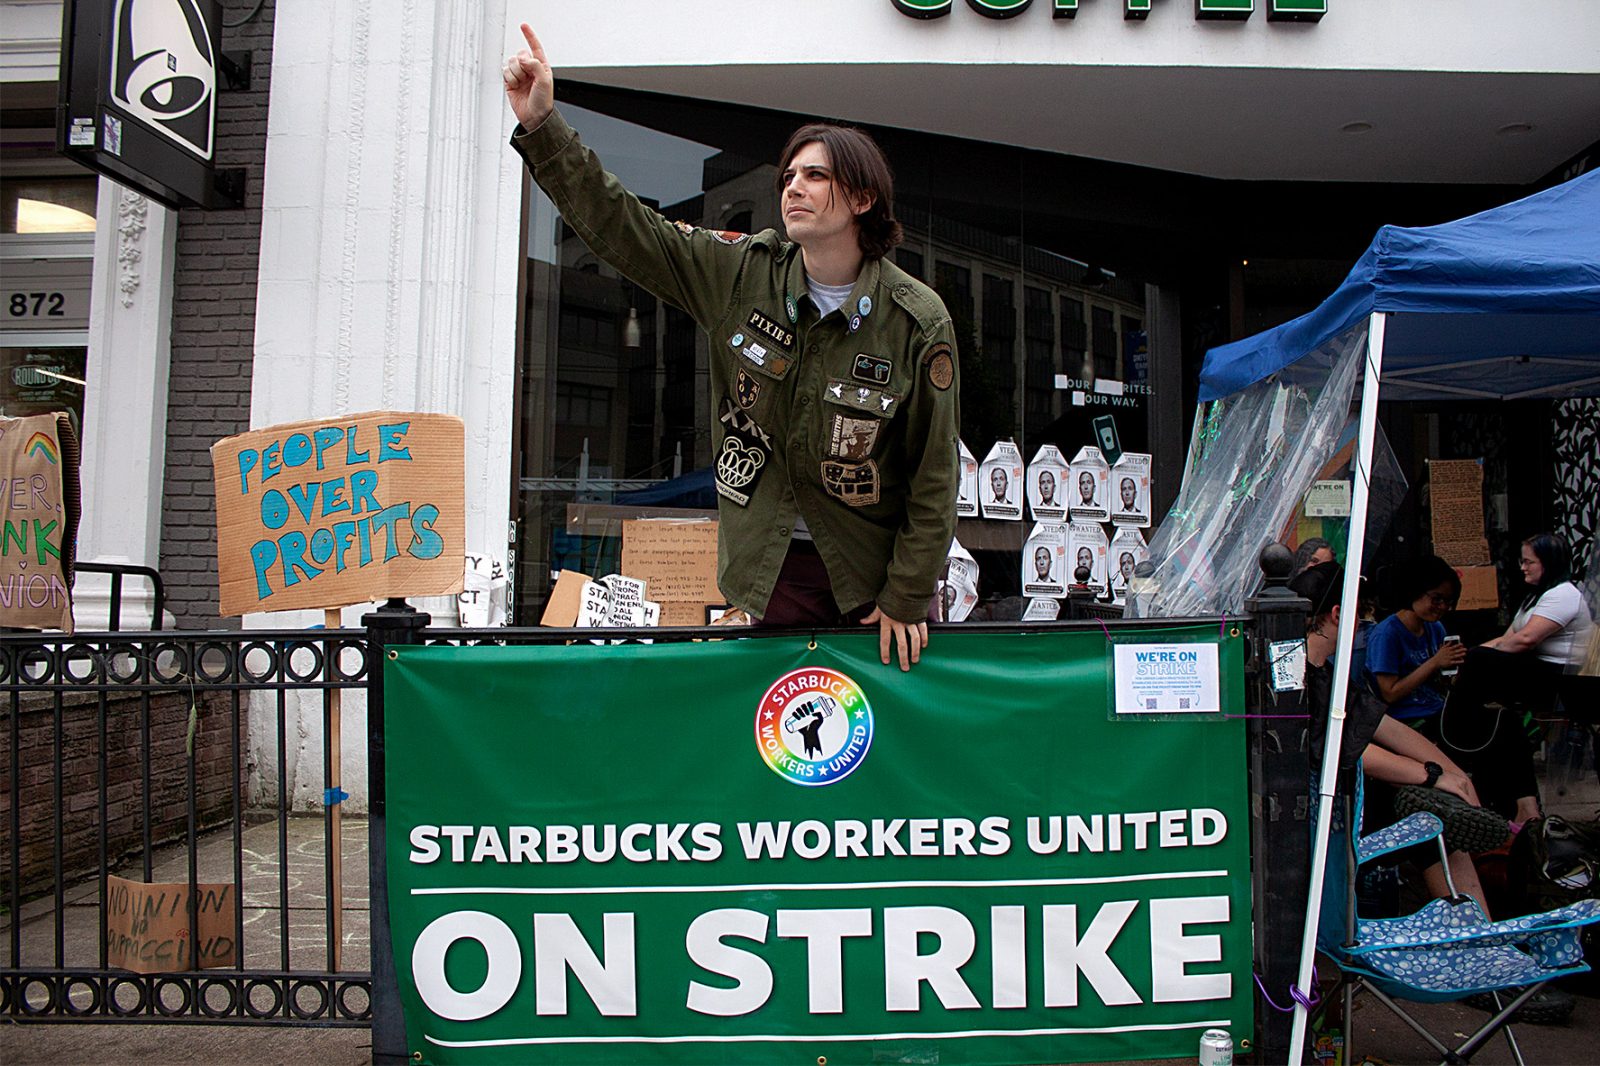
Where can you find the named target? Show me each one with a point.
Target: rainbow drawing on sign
(43, 445)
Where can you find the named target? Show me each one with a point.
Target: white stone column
(389, 264)
(125, 401)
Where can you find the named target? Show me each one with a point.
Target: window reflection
(48, 204)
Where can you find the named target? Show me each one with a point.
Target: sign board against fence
(38, 521)
(337, 511)
(147, 926)
(773, 850)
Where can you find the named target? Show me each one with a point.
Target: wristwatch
(1435, 771)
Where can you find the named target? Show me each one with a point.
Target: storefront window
(613, 403)
(36, 381)
(48, 204)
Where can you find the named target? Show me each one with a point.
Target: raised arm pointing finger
(530, 85)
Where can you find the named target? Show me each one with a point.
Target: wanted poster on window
(967, 494)
(1000, 482)
(1130, 491)
(1089, 477)
(1087, 547)
(1044, 556)
(1128, 550)
(1047, 482)
(958, 589)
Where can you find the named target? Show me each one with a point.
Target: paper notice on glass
(1328, 499)
(1042, 610)
(1456, 502)
(1044, 557)
(958, 589)
(1047, 476)
(1090, 485)
(1000, 482)
(967, 493)
(1166, 679)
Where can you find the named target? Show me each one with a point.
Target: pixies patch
(769, 328)
(742, 456)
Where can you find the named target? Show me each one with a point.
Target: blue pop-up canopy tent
(1501, 305)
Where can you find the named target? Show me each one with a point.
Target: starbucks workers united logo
(814, 726)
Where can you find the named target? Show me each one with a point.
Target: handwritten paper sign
(147, 926)
(677, 560)
(1456, 503)
(338, 511)
(38, 521)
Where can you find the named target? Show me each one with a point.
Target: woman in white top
(1553, 622)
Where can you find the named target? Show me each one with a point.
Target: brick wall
(126, 809)
(213, 330)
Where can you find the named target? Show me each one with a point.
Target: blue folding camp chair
(1445, 951)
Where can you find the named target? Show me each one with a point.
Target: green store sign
(782, 851)
(1231, 10)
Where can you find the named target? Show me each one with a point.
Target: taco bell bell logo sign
(164, 70)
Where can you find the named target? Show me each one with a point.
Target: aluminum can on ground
(1216, 1048)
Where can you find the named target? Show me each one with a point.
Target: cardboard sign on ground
(38, 521)
(336, 511)
(147, 926)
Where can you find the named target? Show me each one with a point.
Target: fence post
(1280, 774)
(395, 623)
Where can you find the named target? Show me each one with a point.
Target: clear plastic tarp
(1253, 456)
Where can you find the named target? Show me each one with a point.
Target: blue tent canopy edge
(1517, 285)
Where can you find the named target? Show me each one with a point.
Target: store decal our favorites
(1032, 848)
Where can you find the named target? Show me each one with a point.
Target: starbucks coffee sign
(1235, 10)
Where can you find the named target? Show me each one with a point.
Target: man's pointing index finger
(533, 44)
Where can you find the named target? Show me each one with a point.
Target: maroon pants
(803, 595)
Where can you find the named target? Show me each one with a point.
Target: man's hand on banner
(909, 637)
(530, 84)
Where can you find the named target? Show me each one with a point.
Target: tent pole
(1348, 617)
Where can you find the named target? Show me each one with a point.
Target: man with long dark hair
(833, 372)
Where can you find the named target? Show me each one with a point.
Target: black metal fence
(128, 752)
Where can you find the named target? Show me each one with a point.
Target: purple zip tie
(1294, 993)
(1104, 630)
(1222, 627)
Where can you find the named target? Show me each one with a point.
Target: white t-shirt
(1562, 604)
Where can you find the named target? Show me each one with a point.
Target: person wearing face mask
(833, 373)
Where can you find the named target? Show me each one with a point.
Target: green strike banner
(773, 850)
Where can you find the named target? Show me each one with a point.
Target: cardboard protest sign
(1130, 490)
(958, 589)
(38, 521)
(1086, 546)
(147, 926)
(1128, 550)
(336, 511)
(1044, 557)
(677, 559)
(967, 495)
(1456, 508)
(1090, 479)
(1000, 482)
(1047, 476)
(482, 603)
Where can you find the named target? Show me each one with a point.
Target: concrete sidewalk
(1380, 1034)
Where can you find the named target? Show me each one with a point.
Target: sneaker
(1548, 1006)
(1466, 828)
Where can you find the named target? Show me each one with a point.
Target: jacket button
(783, 531)
(811, 349)
(805, 401)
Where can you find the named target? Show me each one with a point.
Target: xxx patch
(872, 369)
(742, 456)
(853, 438)
(854, 484)
(941, 367)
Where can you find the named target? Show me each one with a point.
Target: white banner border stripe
(782, 1038)
(839, 886)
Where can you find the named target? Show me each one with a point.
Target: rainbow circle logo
(814, 726)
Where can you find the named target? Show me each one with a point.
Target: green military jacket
(848, 421)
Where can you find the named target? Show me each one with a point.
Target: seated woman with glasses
(1407, 657)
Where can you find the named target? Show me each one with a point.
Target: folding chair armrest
(1413, 829)
(1552, 937)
